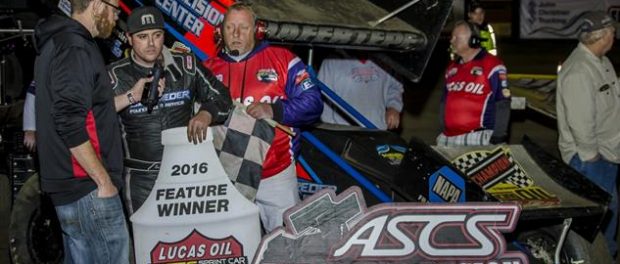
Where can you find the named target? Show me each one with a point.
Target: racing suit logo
(267, 75)
(468, 87)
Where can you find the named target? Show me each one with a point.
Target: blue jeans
(94, 230)
(604, 174)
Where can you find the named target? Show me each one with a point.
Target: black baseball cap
(595, 20)
(143, 18)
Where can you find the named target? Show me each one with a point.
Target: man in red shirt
(273, 83)
(475, 107)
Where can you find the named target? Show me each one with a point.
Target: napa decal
(500, 175)
(445, 185)
(340, 229)
(197, 248)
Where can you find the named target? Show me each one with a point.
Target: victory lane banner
(194, 214)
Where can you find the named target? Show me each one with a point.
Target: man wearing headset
(475, 106)
(273, 83)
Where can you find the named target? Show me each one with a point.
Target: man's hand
(596, 158)
(260, 110)
(197, 127)
(392, 118)
(29, 140)
(106, 190)
(138, 88)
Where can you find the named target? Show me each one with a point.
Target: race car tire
(541, 244)
(5, 209)
(35, 233)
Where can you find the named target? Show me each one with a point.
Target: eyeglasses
(117, 10)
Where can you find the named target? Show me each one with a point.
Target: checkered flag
(517, 177)
(242, 144)
(469, 159)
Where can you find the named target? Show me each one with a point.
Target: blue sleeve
(303, 105)
(499, 83)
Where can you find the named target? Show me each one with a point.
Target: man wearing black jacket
(78, 135)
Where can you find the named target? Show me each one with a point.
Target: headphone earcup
(218, 37)
(474, 42)
(259, 30)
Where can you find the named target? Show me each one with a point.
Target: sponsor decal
(503, 79)
(468, 87)
(191, 15)
(170, 99)
(392, 153)
(446, 186)
(308, 188)
(452, 72)
(501, 176)
(339, 229)
(263, 99)
(189, 63)
(303, 80)
(476, 71)
(267, 75)
(506, 92)
(198, 248)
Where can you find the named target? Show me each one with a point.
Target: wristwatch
(130, 98)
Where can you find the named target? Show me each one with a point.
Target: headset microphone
(233, 53)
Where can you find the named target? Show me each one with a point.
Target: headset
(475, 41)
(259, 26)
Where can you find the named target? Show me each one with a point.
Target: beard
(104, 25)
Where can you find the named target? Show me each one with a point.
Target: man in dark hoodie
(78, 136)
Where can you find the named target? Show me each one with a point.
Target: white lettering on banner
(183, 252)
(472, 227)
(175, 207)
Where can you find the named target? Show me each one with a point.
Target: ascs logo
(339, 229)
